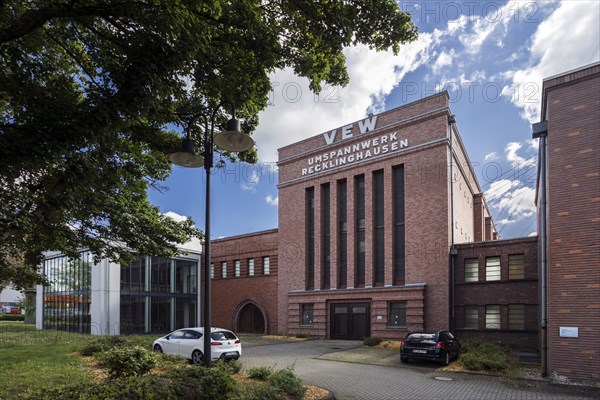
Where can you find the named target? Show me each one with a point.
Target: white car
(189, 343)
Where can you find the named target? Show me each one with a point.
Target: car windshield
(223, 335)
(422, 337)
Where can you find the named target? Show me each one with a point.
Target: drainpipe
(540, 130)
(453, 250)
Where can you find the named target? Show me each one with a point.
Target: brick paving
(358, 381)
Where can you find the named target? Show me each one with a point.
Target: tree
(92, 93)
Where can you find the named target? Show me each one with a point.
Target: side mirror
(168, 337)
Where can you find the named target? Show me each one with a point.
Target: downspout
(453, 250)
(540, 130)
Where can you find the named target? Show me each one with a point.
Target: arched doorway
(251, 319)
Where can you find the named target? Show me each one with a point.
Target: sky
(491, 56)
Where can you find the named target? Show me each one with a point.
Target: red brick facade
(235, 297)
(515, 289)
(571, 105)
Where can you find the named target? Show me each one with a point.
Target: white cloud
(519, 204)
(499, 188)
(272, 200)
(250, 181)
(533, 234)
(493, 156)
(296, 113)
(566, 40)
(515, 159)
(174, 216)
(443, 60)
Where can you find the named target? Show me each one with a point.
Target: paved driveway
(351, 380)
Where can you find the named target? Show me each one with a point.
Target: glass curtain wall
(158, 294)
(67, 298)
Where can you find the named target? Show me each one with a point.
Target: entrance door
(350, 321)
(251, 320)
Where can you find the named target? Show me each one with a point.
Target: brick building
(568, 197)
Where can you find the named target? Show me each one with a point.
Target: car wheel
(197, 357)
(446, 360)
(403, 360)
(157, 348)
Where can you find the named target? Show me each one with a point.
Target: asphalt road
(317, 364)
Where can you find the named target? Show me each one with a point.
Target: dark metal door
(350, 321)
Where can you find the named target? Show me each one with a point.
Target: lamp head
(186, 157)
(232, 139)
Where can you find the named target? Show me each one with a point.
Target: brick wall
(503, 292)
(573, 113)
(229, 295)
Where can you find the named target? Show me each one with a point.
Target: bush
(232, 367)
(481, 355)
(198, 382)
(127, 361)
(264, 392)
(102, 344)
(372, 341)
(303, 335)
(289, 383)
(133, 388)
(260, 373)
(12, 317)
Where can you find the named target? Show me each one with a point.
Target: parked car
(441, 346)
(189, 343)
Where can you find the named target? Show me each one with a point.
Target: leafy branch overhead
(91, 93)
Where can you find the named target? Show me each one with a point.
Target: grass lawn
(32, 359)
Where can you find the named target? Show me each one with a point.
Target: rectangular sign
(569, 331)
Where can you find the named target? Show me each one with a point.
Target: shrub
(372, 341)
(232, 367)
(481, 355)
(102, 344)
(303, 335)
(260, 373)
(285, 380)
(12, 317)
(264, 392)
(127, 361)
(198, 382)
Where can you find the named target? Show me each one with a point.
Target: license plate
(420, 351)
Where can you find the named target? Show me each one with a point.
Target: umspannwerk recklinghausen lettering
(355, 152)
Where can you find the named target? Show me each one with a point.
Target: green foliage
(198, 382)
(264, 392)
(232, 367)
(90, 91)
(260, 373)
(125, 361)
(12, 317)
(481, 355)
(132, 388)
(303, 335)
(102, 344)
(288, 382)
(372, 341)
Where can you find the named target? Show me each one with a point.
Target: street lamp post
(232, 139)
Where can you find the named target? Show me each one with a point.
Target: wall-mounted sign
(569, 331)
(366, 125)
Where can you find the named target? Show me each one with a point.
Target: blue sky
(490, 55)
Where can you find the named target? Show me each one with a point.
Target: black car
(441, 346)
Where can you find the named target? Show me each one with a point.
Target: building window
(492, 317)
(251, 267)
(516, 317)
(397, 313)
(237, 268)
(516, 266)
(212, 271)
(359, 202)
(342, 216)
(471, 270)
(266, 266)
(325, 236)
(307, 314)
(223, 270)
(471, 317)
(310, 239)
(398, 236)
(378, 228)
(492, 269)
